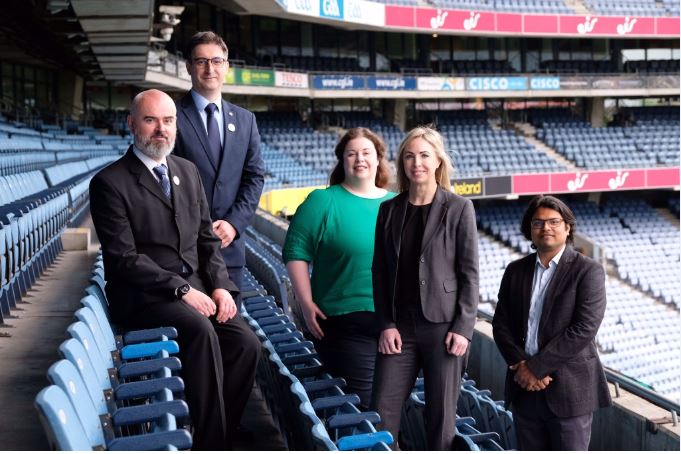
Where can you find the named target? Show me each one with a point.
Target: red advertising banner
(510, 23)
(540, 24)
(443, 19)
(531, 184)
(399, 16)
(471, 21)
(668, 26)
(609, 180)
(663, 178)
(604, 25)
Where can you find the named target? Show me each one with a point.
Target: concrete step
(669, 216)
(529, 134)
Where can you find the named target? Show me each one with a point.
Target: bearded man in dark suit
(164, 268)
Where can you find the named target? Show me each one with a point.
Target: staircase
(578, 7)
(529, 133)
(669, 216)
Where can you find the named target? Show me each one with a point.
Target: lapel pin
(231, 127)
(231, 114)
(176, 180)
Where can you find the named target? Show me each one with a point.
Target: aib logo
(331, 8)
(578, 182)
(618, 181)
(471, 22)
(587, 26)
(439, 20)
(626, 27)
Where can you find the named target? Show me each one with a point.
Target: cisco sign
(497, 83)
(545, 83)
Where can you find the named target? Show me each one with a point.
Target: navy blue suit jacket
(233, 185)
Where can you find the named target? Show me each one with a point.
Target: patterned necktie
(214, 143)
(162, 172)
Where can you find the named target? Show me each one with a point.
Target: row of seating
(113, 392)
(309, 406)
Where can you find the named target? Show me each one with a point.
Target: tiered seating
(314, 64)
(35, 207)
(645, 250)
(390, 133)
(295, 155)
(626, 7)
(113, 393)
(310, 407)
(652, 66)
(648, 256)
(516, 6)
(647, 144)
(656, 132)
(578, 66)
(477, 149)
(476, 411)
(494, 258)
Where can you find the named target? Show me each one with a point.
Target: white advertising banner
(290, 80)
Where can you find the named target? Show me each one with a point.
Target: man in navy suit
(223, 141)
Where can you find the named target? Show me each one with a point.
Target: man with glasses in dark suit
(551, 304)
(222, 140)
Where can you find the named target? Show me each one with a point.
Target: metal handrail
(630, 384)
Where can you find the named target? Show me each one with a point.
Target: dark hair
(547, 201)
(383, 169)
(207, 37)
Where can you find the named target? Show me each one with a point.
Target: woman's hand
(310, 313)
(456, 344)
(390, 342)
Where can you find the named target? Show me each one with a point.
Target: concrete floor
(35, 331)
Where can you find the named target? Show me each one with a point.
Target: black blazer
(233, 185)
(448, 271)
(573, 309)
(145, 237)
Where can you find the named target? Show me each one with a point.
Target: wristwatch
(182, 290)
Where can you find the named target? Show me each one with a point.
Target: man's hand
(225, 231)
(390, 342)
(225, 303)
(200, 301)
(527, 380)
(456, 344)
(310, 313)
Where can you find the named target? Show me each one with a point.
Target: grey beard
(154, 151)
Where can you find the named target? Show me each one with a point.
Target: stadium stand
(651, 141)
(476, 148)
(638, 320)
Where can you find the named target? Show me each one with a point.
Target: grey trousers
(538, 429)
(423, 347)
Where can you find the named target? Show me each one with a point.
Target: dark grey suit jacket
(573, 310)
(233, 185)
(145, 238)
(448, 271)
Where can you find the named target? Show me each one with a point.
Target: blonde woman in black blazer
(425, 280)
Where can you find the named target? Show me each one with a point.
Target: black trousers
(539, 429)
(423, 347)
(218, 368)
(348, 349)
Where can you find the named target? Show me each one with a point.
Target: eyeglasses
(215, 61)
(539, 223)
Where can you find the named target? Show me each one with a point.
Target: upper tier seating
(653, 139)
(478, 149)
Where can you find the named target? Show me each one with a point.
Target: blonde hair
(434, 138)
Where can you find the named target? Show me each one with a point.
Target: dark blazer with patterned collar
(448, 271)
(146, 238)
(573, 309)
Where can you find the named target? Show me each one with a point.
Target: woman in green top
(334, 229)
